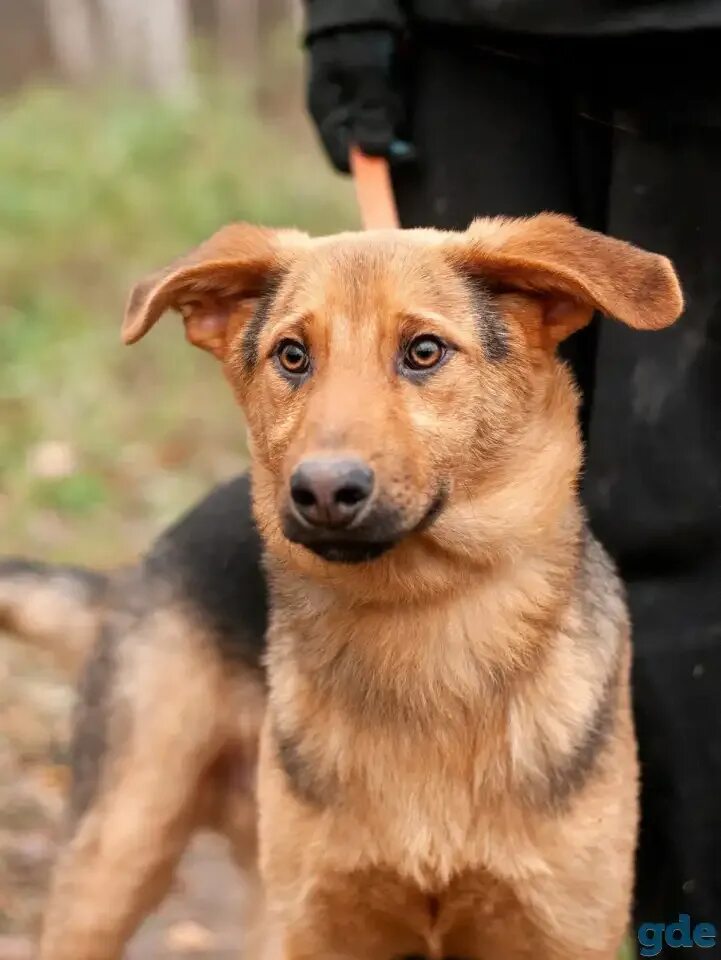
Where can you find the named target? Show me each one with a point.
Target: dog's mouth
(379, 532)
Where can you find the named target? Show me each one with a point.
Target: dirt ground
(199, 921)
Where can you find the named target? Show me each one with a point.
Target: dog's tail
(58, 608)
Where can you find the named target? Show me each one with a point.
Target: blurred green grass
(99, 445)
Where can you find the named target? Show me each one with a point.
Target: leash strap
(374, 191)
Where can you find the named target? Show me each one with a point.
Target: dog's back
(208, 561)
(212, 558)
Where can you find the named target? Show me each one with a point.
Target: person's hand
(354, 94)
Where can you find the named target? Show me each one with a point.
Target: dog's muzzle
(334, 510)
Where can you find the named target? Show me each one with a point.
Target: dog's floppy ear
(215, 287)
(575, 271)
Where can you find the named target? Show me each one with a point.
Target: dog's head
(402, 385)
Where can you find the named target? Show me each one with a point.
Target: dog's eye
(293, 356)
(424, 353)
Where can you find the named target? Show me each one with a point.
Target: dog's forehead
(378, 244)
(391, 264)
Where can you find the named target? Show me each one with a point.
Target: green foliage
(95, 191)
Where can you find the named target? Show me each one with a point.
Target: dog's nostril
(350, 495)
(304, 498)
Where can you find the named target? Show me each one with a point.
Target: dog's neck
(496, 680)
(448, 649)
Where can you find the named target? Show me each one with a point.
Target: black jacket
(551, 17)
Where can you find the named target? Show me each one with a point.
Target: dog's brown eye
(423, 353)
(293, 357)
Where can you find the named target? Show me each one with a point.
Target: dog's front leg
(325, 900)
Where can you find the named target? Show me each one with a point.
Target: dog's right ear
(215, 287)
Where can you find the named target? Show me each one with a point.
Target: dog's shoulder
(600, 591)
(211, 562)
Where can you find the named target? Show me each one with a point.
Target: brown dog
(447, 764)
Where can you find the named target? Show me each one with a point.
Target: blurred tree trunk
(167, 65)
(277, 11)
(122, 20)
(239, 34)
(149, 43)
(26, 49)
(73, 38)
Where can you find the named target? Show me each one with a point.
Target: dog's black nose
(331, 492)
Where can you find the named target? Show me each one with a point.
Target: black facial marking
(259, 318)
(491, 328)
(348, 552)
(304, 779)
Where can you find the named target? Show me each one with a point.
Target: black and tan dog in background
(432, 739)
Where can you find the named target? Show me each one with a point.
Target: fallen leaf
(52, 459)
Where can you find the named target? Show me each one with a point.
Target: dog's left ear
(575, 271)
(215, 287)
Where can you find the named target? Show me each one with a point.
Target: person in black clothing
(609, 111)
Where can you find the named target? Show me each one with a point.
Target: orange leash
(374, 191)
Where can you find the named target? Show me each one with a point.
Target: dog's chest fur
(437, 735)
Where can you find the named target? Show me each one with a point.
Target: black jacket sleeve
(322, 16)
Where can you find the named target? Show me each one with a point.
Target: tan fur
(189, 738)
(56, 609)
(447, 763)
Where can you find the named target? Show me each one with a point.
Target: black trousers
(509, 127)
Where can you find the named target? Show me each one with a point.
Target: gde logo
(653, 936)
